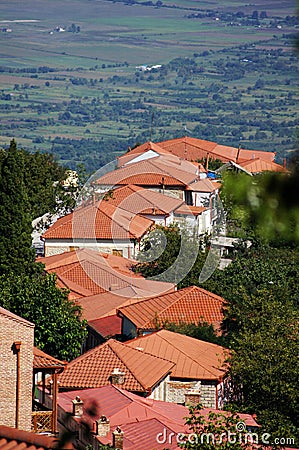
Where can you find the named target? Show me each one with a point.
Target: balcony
(42, 422)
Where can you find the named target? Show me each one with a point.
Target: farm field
(78, 77)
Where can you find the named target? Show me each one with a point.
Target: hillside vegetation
(73, 78)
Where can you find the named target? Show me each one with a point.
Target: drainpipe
(54, 402)
(17, 348)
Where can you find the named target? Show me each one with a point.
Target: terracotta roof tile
(43, 360)
(141, 149)
(193, 358)
(188, 148)
(204, 185)
(14, 439)
(196, 149)
(94, 368)
(189, 305)
(258, 165)
(187, 210)
(13, 317)
(143, 201)
(98, 222)
(162, 170)
(88, 272)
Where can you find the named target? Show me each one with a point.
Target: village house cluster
(134, 379)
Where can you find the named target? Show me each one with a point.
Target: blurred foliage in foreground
(265, 206)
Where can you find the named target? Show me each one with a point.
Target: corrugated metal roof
(141, 419)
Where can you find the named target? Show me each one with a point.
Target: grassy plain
(94, 91)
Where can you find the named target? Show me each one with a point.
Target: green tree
(257, 268)
(171, 254)
(16, 254)
(266, 205)
(58, 328)
(264, 367)
(223, 430)
(201, 330)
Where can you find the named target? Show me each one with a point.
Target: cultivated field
(69, 82)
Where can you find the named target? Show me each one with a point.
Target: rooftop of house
(14, 439)
(140, 150)
(194, 359)
(94, 368)
(89, 272)
(42, 360)
(161, 170)
(258, 165)
(196, 149)
(141, 419)
(99, 221)
(189, 305)
(204, 185)
(14, 318)
(143, 201)
(107, 326)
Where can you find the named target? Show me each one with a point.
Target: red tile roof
(143, 201)
(13, 317)
(191, 149)
(94, 368)
(259, 165)
(14, 439)
(88, 272)
(189, 305)
(196, 149)
(187, 210)
(140, 150)
(42, 360)
(204, 185)
(100, 221)
(167, 170)
(194, 359)
(107, 326)
(141, 419)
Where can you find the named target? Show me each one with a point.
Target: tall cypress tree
(16, 254)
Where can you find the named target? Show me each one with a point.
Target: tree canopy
(59, 330)
(16, 254)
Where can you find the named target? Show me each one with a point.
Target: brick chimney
(118, 439)
(117, 376)
(192, 397)
(77, 407)
(102, 426)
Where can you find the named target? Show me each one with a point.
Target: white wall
(57, 246)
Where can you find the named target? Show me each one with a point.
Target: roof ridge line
(142, 353)
(189, 357)
(132, 373)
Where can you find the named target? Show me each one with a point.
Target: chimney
(102, 426)
(77, 407)
(192, 397)
(118, 439)
(117, 377)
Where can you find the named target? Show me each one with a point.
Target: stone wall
(175, 391)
